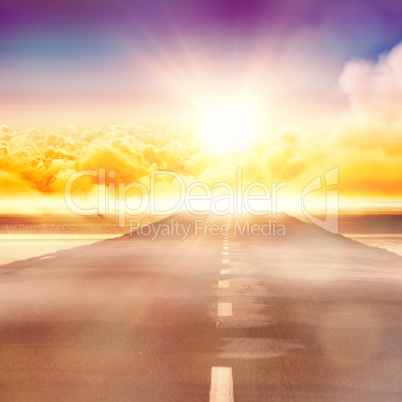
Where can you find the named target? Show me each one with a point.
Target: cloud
(45, 161)
(375, 87)
(368, 154)
(11, 185)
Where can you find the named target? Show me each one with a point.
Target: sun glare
(229, 127)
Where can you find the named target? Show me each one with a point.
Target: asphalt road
(307, 316)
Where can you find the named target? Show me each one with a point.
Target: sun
(229, 127)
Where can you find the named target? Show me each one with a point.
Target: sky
(299, 86)
(155, 61)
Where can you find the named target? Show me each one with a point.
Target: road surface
(309, 316)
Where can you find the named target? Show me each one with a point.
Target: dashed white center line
(221, 377)
(221, 385)
(223, 284)
(225, 310)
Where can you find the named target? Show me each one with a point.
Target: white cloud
(375, 87)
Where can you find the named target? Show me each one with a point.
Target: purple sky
(121, 16)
